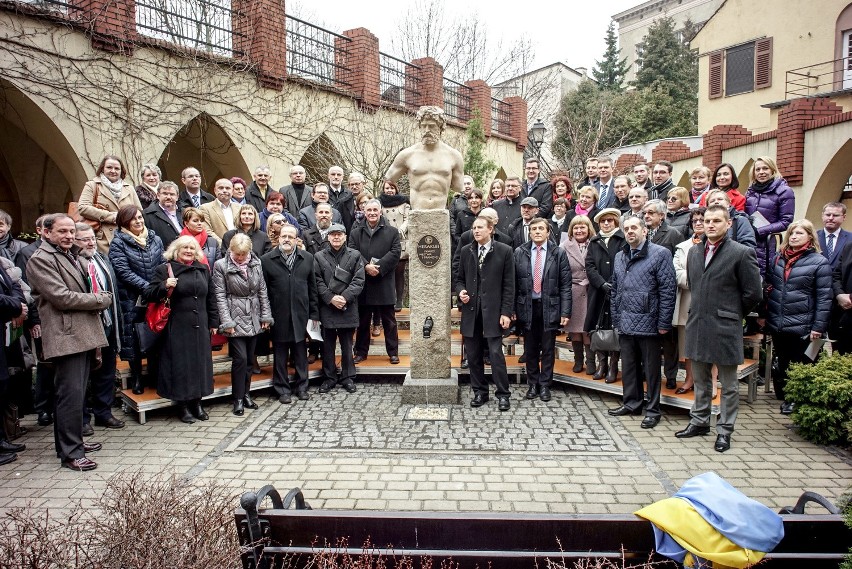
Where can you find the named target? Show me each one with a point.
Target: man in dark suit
(519, 230)
(508, 207)
(725, 283)
(163, 216)
(485, 285)
(841, 330)
(606, 191)
(297, 194)
(192, 195)
(291, 282)
(542, 304)
(662, 177)
(538, 188)
(832, 237)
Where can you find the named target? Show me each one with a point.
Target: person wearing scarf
(799, 285)
(395, 208)
(103, 196)
(193, 226)
(587, 199)
(150, 175)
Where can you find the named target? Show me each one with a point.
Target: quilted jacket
(777, 204)
(243, 303)
(803, 302)
(643, 291)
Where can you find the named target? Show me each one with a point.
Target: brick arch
(202, 143)
(831, 182)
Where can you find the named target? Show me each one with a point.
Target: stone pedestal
(429, 280)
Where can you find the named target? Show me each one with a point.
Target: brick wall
(716, 137)
(111, 24)
(430, 77)
(670, 150)
(261, 34)
(518, 120)
(363, 64)
(480, 96)
(626, 162)
(792, 121)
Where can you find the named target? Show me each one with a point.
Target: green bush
(822, 393)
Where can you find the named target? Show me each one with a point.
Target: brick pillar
(480, 97)
(111, 23)
(518, 120)
(792, 119)
(669, 150)
(260, 36)
(626, 162)
(362, 63)
(428, 82)
(715, 137)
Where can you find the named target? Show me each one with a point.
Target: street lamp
(536, 137)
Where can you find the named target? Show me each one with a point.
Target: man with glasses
(538, 188)
(297, 194)
(508, 207)
(636, 200)
(192, 195)
(307, 216)
(662, 176)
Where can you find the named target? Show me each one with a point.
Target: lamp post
(536, 137)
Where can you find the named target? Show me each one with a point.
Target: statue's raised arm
(433, 167)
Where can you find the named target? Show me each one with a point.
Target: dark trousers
(540, 349)
(473, 347)
(72, 372)
(102, 387)
(670, 355)
(365, 318)
(280, 378)
(790, 349)
(44, 391)
(241, 349)
(330, 336)
(644, 349)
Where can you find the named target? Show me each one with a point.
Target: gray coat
(69, 312)
(722, 294)
(243, 303)
(325, 263)
(294, 204)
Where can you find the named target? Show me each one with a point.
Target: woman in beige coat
(684, 297)
(395, 208)
(103, 196)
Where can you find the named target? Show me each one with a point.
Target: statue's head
(432, 123)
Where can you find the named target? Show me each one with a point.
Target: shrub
(822, 393)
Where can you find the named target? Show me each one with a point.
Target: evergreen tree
(476, 165)
(610, 72)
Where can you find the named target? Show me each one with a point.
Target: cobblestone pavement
(359, 451)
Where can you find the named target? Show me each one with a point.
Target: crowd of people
(300, 271)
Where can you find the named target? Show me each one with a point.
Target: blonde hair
(176, 245)
(592, 189)
(240, 244)
(809, 229)
(248, 207)
(581, 220)
(701, 170)
(271, 230)
(681, 193)
(769, 162)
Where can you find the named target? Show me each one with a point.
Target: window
(741, 69)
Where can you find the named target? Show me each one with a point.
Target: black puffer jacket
(802, 302)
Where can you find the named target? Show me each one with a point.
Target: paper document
(758, 220)
(314, 330)
(814, 348)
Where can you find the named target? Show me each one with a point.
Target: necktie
(196, 200)
(481, 255)
(708, 254)
(829, 246)
(604, 199)
(537, 271)
(93, 277)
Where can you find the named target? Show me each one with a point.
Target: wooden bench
(292, 535)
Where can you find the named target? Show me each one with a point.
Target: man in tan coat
(221, 215)
(70, 309)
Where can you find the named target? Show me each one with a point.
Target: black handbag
(148, 339)
(604, 337)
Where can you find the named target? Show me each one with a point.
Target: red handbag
(157, 313)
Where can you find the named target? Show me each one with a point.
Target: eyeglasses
(607, 220)
(278, 222)
(698, 221)
(85, 239)
(671, 199)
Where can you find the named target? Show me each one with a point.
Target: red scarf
(792, 255)
(202, 241)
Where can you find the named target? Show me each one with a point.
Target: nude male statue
(433, 167)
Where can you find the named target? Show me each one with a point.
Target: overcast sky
(571, 31)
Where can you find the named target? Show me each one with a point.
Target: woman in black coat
(249, 224)
(135, 253)
(186, 364)
(800, 295)
(587, 200)
(600, 262)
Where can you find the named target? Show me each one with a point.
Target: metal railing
(820, 78)
(317, 54)
(500, 117)
(206, 25)
(49, 5)
(457, 100)
(397, 82)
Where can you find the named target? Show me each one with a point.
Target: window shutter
(716, 60)
(763, 63)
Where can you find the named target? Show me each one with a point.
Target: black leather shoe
(185, 415)
(327, 386)
(110, 423)
(464, 364)
(479, 400)
(45, 418)
(650, 422)
(138, 387)
(92, 447)
(197, 410)
(532, 392)
(394, 360)
(248, 402)
(79, 464)
(621, 411)
(239, 408)
(522, 359)
(349, 386)
(503, 403)
(9, 447)
(88, 431)
(545, 393)
(723, 443)
(692, 431)
(671, 383)
(787, 408)
(358, 358)
(285, 399)
(303, 395)
(6, 458)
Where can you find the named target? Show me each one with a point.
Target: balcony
(822, 79)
